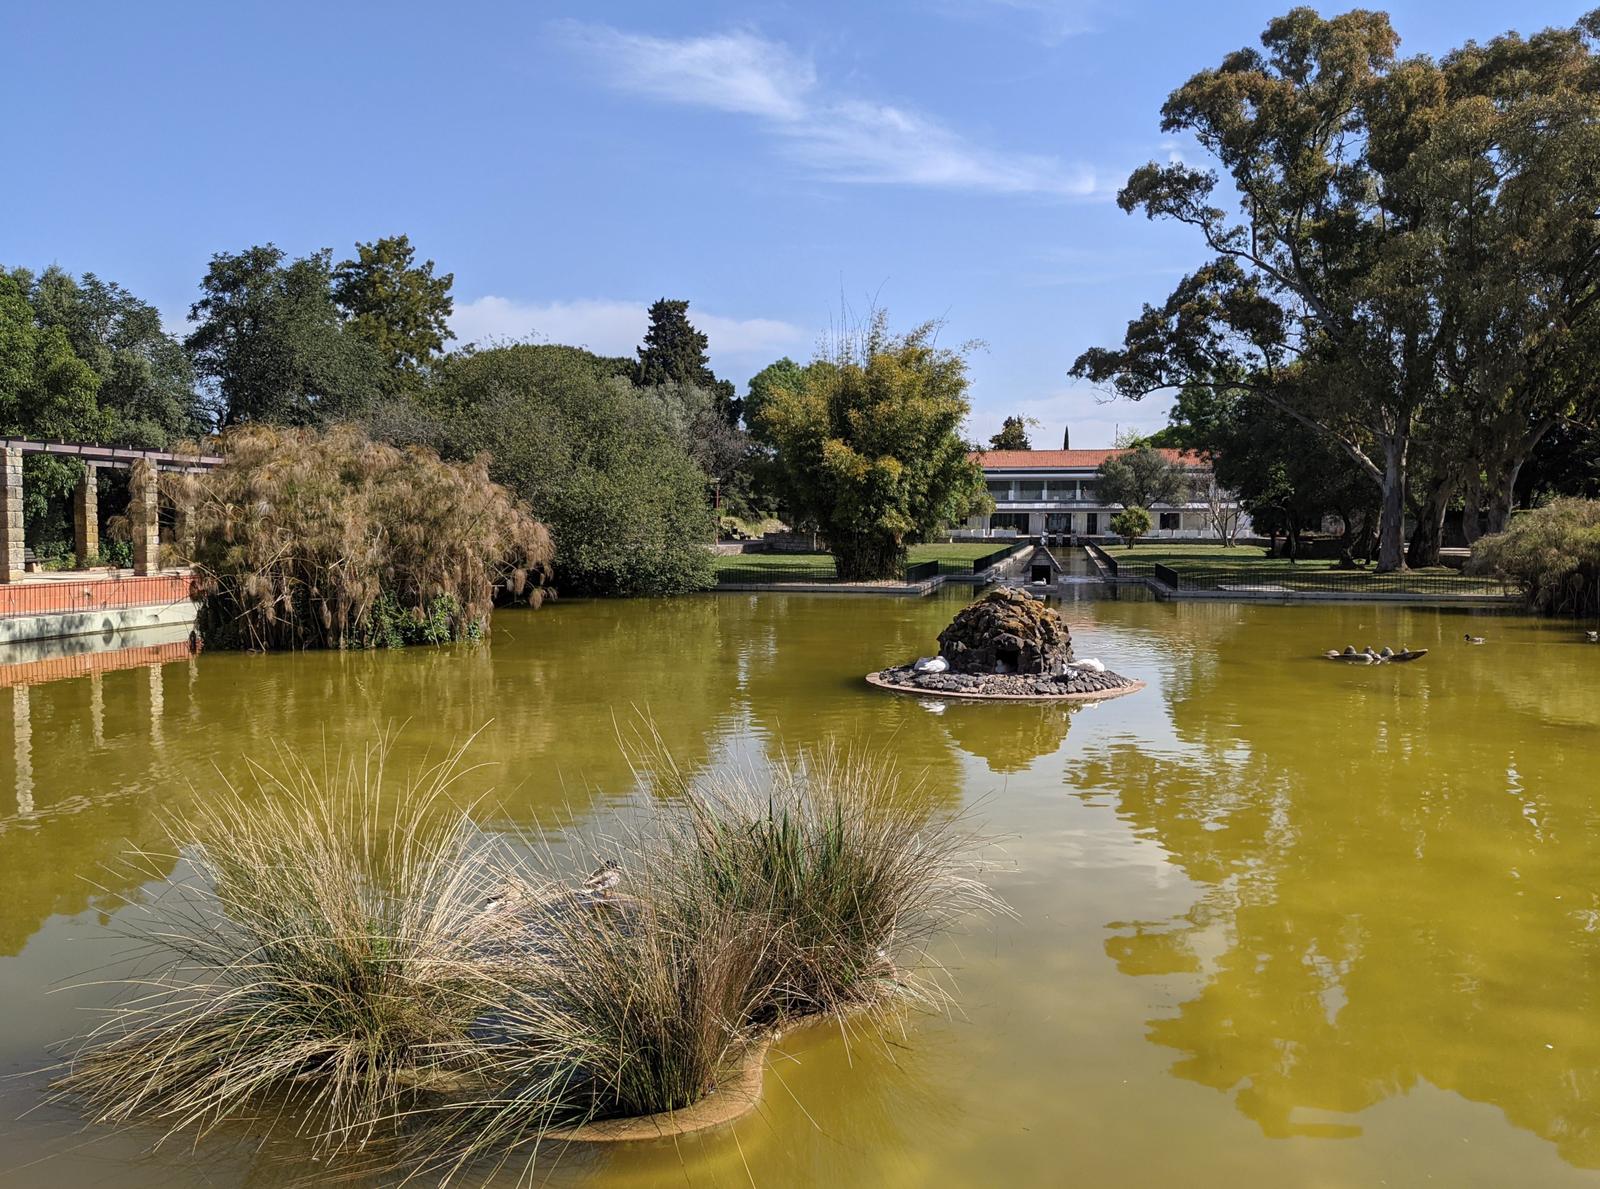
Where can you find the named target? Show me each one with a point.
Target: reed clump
(308, 539)
(409, 978)
(1552, 554)
(315, 958)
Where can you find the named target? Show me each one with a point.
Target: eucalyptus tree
(1412, 244)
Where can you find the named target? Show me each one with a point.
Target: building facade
(1052, 494)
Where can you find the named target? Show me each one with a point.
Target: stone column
(183, 527)
(10, 513)
(143, 517)
(86, 518)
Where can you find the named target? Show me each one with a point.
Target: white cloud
(842, 137)
(730, 71)
(610, 327)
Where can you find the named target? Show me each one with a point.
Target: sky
(786, 167)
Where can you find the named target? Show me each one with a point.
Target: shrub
(331, 540)
(1552, 554)
(319, 961)
(339, 958)
(1130, 524)
(597, 460)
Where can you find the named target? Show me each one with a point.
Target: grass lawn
(1251, 561)
(816, 564)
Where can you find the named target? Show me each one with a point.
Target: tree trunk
(1429, 534)
(1471, 504)
(868, 558)
(1505, 495)
(1392, 520)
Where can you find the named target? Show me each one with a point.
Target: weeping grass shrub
(1552, 554)
(421, 998)
(835, 857)
(319, 962)
(306, 539)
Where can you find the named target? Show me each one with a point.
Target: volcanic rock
(1007, 631)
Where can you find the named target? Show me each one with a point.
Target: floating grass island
(1006, 646)
(417, 994)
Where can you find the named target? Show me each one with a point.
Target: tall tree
(147, 389)
(1392, 268)
(868, 446)
(272, 343)
(674, 352)
(1013, 435)
(1139, 478)
(398, 306)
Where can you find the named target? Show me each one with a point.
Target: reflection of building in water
(22, 734)
(157, 705)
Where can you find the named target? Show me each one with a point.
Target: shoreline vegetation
(354, 957)
(331, 540)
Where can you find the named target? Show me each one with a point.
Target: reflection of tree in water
(1393, 889)
(1009, 735)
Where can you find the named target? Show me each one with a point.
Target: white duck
(1091, 664)
(931, 664)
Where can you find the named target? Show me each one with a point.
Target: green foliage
(1413, 261)
(674, 352)
(401, 308)
(1130, 524)
(867, 446)
(272, 343)
(1140, 478)
(601, 463)
(1552, 554)
(308, 540)
(1013, 434)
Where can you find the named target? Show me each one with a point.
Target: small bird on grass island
(1471, 639)
(1592, 637)
(606, 876)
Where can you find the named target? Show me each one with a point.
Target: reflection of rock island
(1009, 742)
(1007, 644)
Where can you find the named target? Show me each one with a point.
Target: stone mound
(1007, 631)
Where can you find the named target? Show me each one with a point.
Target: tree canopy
(399, 307)
(1415, 255)
(1139, 478)
(1013, 435)
(674, 352)
(867, 446)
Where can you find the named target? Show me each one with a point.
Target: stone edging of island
(880, 681)
(732, 1101)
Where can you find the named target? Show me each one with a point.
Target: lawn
(959, 553)
(1220, 567)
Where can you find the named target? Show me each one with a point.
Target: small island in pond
(1007, 645)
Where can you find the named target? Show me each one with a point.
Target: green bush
(1552, 554)
(1130, 524)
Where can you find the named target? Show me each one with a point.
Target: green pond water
(1278, 921)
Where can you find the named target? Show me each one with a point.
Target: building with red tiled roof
(1052, 493)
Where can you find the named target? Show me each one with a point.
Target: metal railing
(92, 593)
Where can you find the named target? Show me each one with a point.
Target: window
(1030, 489)
(1171, 521)
(1086, 492)
(1058, 522)
(1000, 489)
(1015, 521)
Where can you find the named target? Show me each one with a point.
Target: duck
(931, 664)
(505, 900)
(1592, 637)
(1471, 639)
(606, 876)
(1092, 665)
(1388, 653)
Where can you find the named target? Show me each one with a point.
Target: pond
(1278, 921)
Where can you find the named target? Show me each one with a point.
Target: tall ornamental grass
(1552, 554)
(399, 976)
(307, 539)
(316, 959)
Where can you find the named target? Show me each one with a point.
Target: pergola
(142, 507)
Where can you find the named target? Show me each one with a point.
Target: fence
(62, 595)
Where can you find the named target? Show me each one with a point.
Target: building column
(143, 517)
(10, 513)
(86, 518)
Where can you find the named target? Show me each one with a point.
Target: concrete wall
(108, 624)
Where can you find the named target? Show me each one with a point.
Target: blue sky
(771, 162)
